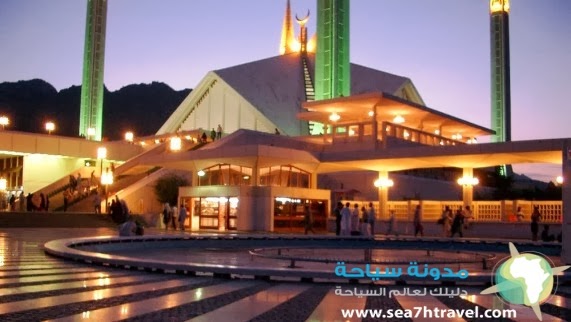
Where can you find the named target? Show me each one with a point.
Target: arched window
(284, 176)
(226, 175)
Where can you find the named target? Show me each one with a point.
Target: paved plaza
(35, 286)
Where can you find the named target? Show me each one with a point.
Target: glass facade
(220, 213)
(226, 175)
(284, 176)
(289, 214)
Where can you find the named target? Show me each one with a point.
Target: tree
(166, 189)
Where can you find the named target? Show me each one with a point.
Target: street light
(50, 126)
(106, 180)
(4, 120)
(559, 179)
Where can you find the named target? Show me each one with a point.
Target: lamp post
(50, 126)
(106, 180)
(4, 120)
(383, 183)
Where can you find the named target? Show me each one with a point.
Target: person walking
(337, 214)
(97, 203)
(457, 223)
(182, 214)
(447, 221)
(392, 224)
(535, 219)
(219, 132)
(346, 220)
(213, 134)
(365, 226)
(167, 211)
(355, 221)
(372, 216)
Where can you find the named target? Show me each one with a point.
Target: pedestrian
(182, 214)
(365, 226)
(372, 216)
(446, 221)
(308, 220)
(346, 220)
(468, 217)
(166, 215)
(519, 214)
(97, 203)
(337, 213)
(355, 231)
(213, 134)
(174, 214)
(392, 224)
(417, 221)
(457, 223)
(219, 132)
(22, 202)
(535, 219)
(12, 202)
(204, 137)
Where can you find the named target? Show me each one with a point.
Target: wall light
(129, 136)
(384, 183)
(90, 132)
(371, 113)
(50, 126)
(175, 144)
(468, 181)
(201, 173)
(3, 184)
(471, 141)
(4, 120)
(398, 119)
(334, 117)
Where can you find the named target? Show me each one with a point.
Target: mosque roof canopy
(360, 108)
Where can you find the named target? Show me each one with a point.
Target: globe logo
(525, 279)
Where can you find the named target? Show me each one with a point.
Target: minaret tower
(91, 113)
(500, 65)
(332, 65)
(287, 43)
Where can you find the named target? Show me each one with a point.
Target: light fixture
(437, 132)
(471, 141)
(3, 184)
(50, 126)
(371, 113)
(129, 136)
(102, 152)
(175, 144)
(201, 173)
(398, 119)
(559, 179)
(406, 134)
(4, 120)
(334, 117)
(90, 132)
(468, 181)
(351, 132)
(384, 183)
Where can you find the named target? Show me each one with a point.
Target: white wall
(40, 170)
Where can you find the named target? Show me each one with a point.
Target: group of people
(453, 224)
(118, 210)
(214, 135)
(172, 215)
(356, 222)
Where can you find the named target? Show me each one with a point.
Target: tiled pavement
(34, 287)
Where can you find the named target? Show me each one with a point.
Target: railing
(483, 211)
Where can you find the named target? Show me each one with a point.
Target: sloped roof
(275, 86)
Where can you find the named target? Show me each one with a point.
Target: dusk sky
(443, 46)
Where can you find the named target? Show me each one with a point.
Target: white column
(566, 200)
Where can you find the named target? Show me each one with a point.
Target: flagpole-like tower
(500, 65)
(91, 113)
(287, 43)
(332, 65)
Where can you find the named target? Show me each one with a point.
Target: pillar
(566, 200)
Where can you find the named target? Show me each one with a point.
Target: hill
(141, 108)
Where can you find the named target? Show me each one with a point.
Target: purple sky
(442, 45)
